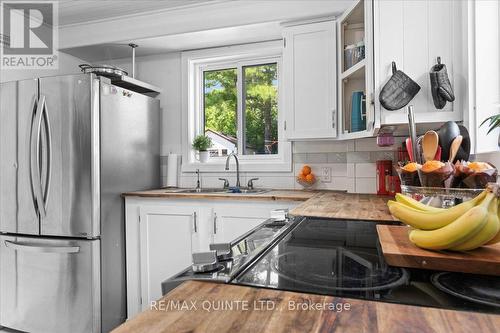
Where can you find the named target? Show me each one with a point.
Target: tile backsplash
(351, 163)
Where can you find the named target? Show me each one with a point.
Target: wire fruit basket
(439, 196)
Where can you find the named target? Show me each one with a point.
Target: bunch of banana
(464, 227)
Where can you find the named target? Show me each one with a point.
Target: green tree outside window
(260, 106)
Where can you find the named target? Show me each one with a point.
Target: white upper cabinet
(484, 87)
(355, 67)
(414, 34)
(309, 71)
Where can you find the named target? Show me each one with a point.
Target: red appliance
(384, 175)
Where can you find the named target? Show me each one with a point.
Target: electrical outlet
(326, 175)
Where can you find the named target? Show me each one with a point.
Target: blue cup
(358, 111)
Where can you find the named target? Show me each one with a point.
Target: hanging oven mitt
(440, 85)
(398, 91)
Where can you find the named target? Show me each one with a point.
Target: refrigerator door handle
(35, 156)
(49, 152)
(41, 249)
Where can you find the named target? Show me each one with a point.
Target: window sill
(254, 166)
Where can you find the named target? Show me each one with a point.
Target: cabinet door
(232, 221)
(355, 26)
(413, 34)
(485, 89)
(167, 234)
(309, 61)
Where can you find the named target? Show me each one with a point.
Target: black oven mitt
(398, 91)
(441, 88)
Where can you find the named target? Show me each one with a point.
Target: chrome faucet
(237, 167)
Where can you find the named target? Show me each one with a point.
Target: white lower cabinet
(161, 235)
(233, 220)
(167, 235)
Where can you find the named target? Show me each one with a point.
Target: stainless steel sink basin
(223, 191)
(252, 191)
(203, 190)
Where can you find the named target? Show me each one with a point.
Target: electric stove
(223, 266)
(343, 258)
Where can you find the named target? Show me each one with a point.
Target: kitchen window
(232, 95)
(241, 117)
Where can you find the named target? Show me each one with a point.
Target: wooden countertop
(328, 204)
(345, 206)
(283, 195)
(362, 316)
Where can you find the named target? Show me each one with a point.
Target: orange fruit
(310, 178)
(306, 169)
(302, 177)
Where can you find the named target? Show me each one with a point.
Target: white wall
(67, 65)
(163, 71)
(493, 158)
(352, 163)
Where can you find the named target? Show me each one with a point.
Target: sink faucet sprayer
(198, 183)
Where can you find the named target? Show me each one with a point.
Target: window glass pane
(220, 108)
(260, 92)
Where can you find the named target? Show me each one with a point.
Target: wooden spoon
(455, 145)
(430, 144)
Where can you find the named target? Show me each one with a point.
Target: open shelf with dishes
(355, 54)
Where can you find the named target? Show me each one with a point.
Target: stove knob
(205, 261)
(223, 250)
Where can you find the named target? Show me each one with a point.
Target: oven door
(49, 285)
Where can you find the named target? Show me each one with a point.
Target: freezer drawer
(50, 285)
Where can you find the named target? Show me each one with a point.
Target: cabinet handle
(334, 112)
(215, 224)
(195, 222)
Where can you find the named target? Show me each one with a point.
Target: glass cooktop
(343, 258)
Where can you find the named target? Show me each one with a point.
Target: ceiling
(79, 11)
(187, 41)
(230, 22)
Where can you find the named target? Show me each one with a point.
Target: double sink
(226, 190)
(219, 191)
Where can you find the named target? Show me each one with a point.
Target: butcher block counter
(328, 204)
(345, 206)
(282, 195)
(198, 306)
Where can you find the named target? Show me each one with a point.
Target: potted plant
(201, 143)
(494, 123)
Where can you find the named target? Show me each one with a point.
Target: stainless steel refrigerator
(69, 146)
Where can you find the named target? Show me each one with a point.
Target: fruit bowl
(306, 177)
(440, 197)
(305, 184)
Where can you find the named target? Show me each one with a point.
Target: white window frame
(194, 63)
